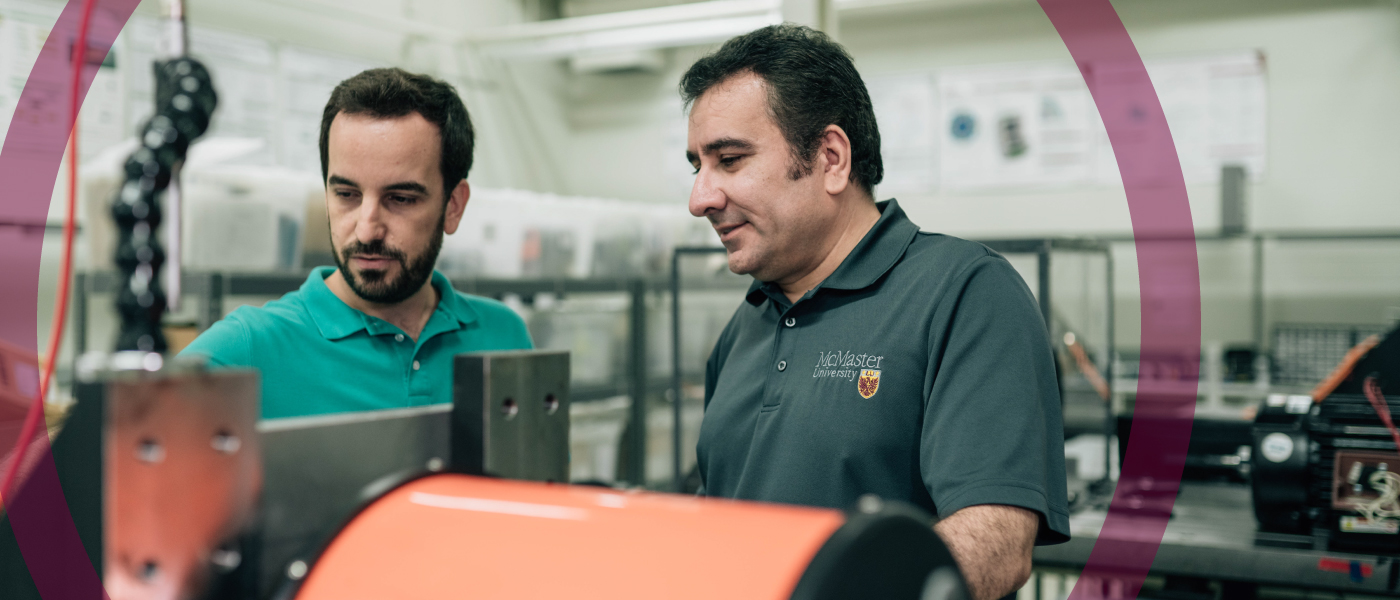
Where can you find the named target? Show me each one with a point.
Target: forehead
(383, 145)
(735, 108)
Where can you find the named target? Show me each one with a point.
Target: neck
(411, 315)
(855, 219)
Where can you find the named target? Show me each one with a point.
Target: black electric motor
(1315, 464)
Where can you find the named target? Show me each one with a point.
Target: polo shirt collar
(337, 320)
(875, 255)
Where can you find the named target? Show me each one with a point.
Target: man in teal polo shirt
(868, 357)
(379, 330)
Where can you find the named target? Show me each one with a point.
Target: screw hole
(509, 408)
(150, 451)
(226, 560)
(551, 404)
(225, 442)
(149, 570)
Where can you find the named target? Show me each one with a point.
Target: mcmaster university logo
(869, 382)
(864, 369)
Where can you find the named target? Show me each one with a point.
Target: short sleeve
(992, 430)
(224, 344)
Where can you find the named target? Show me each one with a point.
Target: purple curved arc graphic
(29, 161)
(1169, 279)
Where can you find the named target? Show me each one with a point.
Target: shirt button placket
(788, 322)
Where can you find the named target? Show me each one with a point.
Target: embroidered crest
(869, 382)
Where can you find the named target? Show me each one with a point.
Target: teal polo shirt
(317, 355)
(920, 371)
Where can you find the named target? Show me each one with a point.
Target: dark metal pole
(211, 307)
(1043, 283)
(80, 316)
(1257, 294)
(638, 334)
(679, 482)
(1110, 423)
(676, 363)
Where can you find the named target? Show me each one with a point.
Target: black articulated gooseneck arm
(185, 101)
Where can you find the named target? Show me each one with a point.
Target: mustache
(720, 221)
(376, 248)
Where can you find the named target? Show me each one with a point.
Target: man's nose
(370, 224)
(705, 196)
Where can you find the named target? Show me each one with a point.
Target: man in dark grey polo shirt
(869, 357)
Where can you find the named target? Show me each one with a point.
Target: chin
(741, 265)
(375, 276)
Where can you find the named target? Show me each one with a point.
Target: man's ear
(456, 206)
(834, 156)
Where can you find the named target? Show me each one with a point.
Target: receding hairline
(731, 81)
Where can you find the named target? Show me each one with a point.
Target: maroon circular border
(1169, 279)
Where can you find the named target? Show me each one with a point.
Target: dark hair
(393, 92)
(812, 82)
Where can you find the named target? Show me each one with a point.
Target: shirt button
(398, 337)
(416, 365)
(782, 365)
(790, 322)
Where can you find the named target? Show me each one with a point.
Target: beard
(373, 285)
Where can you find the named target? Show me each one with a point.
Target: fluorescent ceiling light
(666, 27)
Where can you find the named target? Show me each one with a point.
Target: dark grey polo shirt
(920, 370)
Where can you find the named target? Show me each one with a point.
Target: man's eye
(344, 194)
(729, 161)
(402, 199)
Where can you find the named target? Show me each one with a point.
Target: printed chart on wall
(1035, 126)
(1030, 126)
(906, 109)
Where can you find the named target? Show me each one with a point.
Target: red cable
(36, 409)
(1373, 393)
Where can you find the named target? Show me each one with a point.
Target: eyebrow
(726, 144)
(338, 180)
(402, 186)
(720, 144)
(407, 186)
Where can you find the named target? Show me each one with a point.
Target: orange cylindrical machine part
(458, 536)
